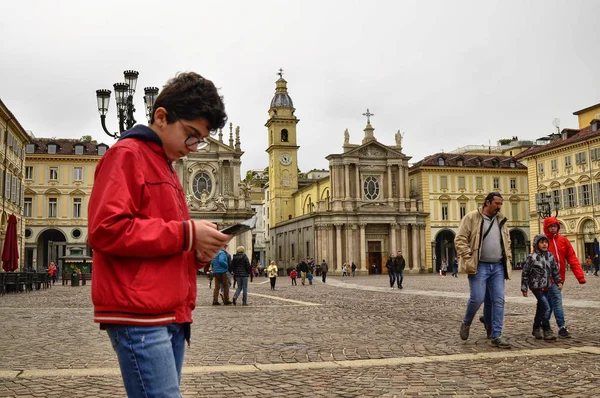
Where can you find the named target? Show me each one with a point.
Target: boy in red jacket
(563, 252)
(146, 247)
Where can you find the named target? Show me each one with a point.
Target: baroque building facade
(58, 176)
(452, 184)
(361, 211)
(12, 149)
(567, 171)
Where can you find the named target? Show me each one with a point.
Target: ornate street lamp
(124, 97)
(545, 204)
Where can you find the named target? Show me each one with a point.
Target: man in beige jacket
(483, 242)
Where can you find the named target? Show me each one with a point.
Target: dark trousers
(324, 276)
(542, 313)
(273, 282)
(294, 282)
(221, 280)
(392, 276)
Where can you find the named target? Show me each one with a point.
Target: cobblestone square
(351, 337)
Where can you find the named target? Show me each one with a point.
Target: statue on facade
(220, 203)
(346, 137)
(244, 190)
(398, 138)
(192, 202)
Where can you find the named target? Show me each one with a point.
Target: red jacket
(142, 236)
(562, 250)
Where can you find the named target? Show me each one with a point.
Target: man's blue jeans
(242, 284)
(150, 358)
(400, 278)
(488, 277)
(555, 299)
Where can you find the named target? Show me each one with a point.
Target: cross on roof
(368, 115)
(280, 73)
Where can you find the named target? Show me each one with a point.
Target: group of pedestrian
(592, 265)
(395, 265)
(483, 243)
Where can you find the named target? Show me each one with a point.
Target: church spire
(231, 134)
(369, 129)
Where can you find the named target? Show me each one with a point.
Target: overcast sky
(446, 73)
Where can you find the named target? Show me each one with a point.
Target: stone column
(358, 196)
(389, 184)
(393, 244)
(347, 181)
(416, 259)
(338, 246)
(329, 257)
(422, 246)
(406, 186)
(404, 242)
(401, 193)
(363, 252)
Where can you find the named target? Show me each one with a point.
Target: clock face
(285, 159)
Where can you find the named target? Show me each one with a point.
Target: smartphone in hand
(240, 228)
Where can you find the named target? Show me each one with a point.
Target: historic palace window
(52, 203)
(202, 182)
(78, 173)
(29, 172)
(28, 207)
(76, 207)
(54, 173)
(371, 188)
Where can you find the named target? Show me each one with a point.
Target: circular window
(28, 233)
(371, 188)
(76, 233)
(202, 182)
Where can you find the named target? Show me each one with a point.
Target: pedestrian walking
(242, 270)
(455, 268)
(53, 272)
(399, 266)
(539, 273)
(483, 232)
(146, 247)
(389, 264)
(588, 265)
(293, 276)
(564, 254)
(596, 264)
(353, 269)
(444, 268)
(220, 266)
(272, 273)
(303, 266)
(309, 276)
(324, 271)
(344, 270)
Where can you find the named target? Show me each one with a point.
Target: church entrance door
(374, 248)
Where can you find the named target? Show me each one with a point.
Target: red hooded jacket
(562, 250)
(142, 236)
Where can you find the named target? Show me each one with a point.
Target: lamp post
(124, 92)
(545, 204)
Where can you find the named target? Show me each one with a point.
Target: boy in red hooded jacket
(562, 250)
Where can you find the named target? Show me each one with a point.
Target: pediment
(583, 178)
(52, 191)
(514, 198)
(462, 198)
(569, 181)
(374, 149)
(29, 191)
(555, 184)
(542, 187)
(77, 192)
(444, 197)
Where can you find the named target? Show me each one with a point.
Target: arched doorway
(444, 248)
(588, 232)
(519, 246)
(51, 246)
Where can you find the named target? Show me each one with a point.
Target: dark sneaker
(537, 333)
(563, 333)
(500, 342)
(234, 300)
(244, 303)
(227, 303)
(488, 332)
(464, 331)
(216, 303)
(549, 335)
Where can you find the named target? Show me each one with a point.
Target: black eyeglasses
(192, 140)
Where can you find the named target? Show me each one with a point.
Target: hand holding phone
(240, 228)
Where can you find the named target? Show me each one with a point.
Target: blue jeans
(488, 277)
(542, 313)
(392, 276)
(399, 278)
(242, 284)
(555, 299)
(150, 358)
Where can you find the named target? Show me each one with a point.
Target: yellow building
(452, 184)
(567, 171)
(59, 175)
(14, 138)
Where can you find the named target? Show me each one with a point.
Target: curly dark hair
(189, 96)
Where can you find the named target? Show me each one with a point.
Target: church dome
(281, 99)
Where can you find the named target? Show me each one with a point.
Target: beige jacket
(468, 242)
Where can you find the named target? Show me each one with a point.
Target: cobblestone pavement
(351, 337)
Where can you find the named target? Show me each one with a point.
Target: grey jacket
(540, 269)
(324, 267)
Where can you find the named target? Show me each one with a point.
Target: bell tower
(283, 154)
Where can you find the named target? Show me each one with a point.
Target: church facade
(360, 213)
